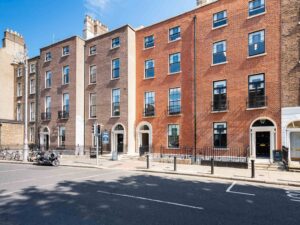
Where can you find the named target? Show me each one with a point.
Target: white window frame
(32, 112)
(90, 48)
(32, 86)
(63, 75)
(32, 68)
(46, 57)
(91, 66)
(63, 52)
(90, 98)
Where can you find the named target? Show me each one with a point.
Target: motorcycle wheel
(55, 163)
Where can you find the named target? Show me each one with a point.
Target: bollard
(175, 163)
(212, 164)
(148, 163)
(252, 168)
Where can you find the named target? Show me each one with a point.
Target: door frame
(114, 138)
(288, 136)
(42, 136)
(139, 133)
(273, 139)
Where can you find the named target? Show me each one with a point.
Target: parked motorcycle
(47, 158)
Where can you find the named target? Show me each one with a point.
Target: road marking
(53, 184)
(151, 200)
(293, 195)
(235, 192)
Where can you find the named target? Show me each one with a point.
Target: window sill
(220, 148)
(216, 28)
(222, 111)
(47, 88)
(91, 84)
(115, 116)
(115, 47)
(63, 85)
(31, 73)
(175, 115)
(33, 93)
(19, 96)
(65, 55)
(149, 117)
(258, 108)
(255, 56)
(218, 64)
(250, 17)
(170, 148)
(93, 54)
(46, 61)
(179, 39)
(149, 78)
(175, 73)
(148, 48)
(92, 118)
(112, 79)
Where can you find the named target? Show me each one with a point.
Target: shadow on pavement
(75, 203)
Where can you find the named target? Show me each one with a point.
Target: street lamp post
(26, 148)
(22, 58)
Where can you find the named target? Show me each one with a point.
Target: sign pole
(97, 149)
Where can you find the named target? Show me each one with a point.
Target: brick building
(290, 76)
(214, 77)
(110, 89)
(237, 70)
(61, 95)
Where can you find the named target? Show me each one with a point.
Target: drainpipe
(0, 134)
(195, 90)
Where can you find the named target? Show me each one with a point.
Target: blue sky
(43, 21)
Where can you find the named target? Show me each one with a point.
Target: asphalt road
(36, 195)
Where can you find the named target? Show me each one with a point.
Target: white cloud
(95, 7)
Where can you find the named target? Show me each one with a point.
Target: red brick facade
(236, 71)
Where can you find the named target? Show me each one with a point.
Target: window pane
(220, 19)
(149, 41)
(173, 136)
(220, 135)
(219, 52)
(174, 101)
(174, 33)
(256, 43)
(175, 63)
(149, 69)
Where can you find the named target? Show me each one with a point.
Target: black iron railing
(45, 116)
(257, 101)
(220, 105)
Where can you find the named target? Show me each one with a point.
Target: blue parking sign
(105, 138)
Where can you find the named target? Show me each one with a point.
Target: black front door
(120, 138)
(46, 142)
(144, 148)
(263, 144)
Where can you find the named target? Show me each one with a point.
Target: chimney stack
(93, 27)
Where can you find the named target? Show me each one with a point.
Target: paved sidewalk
(262, 176)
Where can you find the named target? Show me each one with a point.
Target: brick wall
(105, 83)
(290, 53)
(236, 72)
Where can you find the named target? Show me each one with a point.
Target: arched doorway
(144, 138)
(293, 135)
(45, 138)
(118, 138)
(263, 138)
